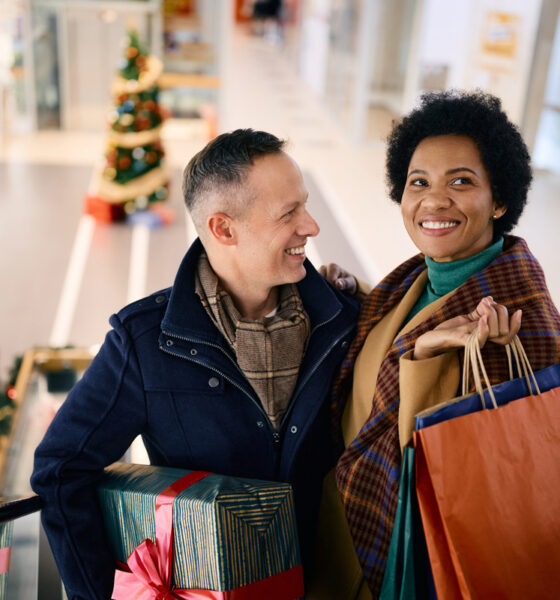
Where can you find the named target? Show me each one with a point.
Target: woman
(460, 171)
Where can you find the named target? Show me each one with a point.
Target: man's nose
(308, 226)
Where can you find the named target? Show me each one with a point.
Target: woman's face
(447, 204)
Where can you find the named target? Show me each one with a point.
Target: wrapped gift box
(6, 530)
(227, 532)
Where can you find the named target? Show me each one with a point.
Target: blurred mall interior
(328, 75)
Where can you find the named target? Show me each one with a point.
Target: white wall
(505, 76)
(453, 35)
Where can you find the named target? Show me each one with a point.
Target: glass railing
(27, 568)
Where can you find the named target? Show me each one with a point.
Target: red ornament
(124, 163)
(142, 123)
(131, 52)
(150, 157)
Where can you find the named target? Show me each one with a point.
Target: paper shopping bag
(407, 574)
(488, 486)
(514, 389)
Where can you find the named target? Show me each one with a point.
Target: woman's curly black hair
(480, 116)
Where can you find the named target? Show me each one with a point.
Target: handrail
(14, 508)
(48, 579)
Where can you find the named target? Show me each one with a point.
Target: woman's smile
(438, 226)
(447, 204)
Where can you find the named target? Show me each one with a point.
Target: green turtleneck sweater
(443, 277)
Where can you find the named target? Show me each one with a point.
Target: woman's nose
(436, 197)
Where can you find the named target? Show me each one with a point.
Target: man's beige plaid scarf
(270, 350)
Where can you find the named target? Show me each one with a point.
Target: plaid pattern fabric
(269, 350)
(369, 469)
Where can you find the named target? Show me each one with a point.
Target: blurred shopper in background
(227, 371)
(267, 19)
(460, 172)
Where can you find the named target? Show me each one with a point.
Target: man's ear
(220, 227)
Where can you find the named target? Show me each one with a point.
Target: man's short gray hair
(219, 170)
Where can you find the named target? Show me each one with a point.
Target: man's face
(274, 229)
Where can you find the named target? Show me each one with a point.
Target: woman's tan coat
(337, 574)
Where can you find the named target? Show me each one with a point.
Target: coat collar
(186, 317)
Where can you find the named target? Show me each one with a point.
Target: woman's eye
(461, 181)
(419, 182)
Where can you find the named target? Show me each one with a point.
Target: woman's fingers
(443, 339)
(490, 319)
(339, 277)
(481, 309)
(514, 325)
(483, 330)
(502, 327)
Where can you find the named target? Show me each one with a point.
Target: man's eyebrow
(284, 208)
(295, 203)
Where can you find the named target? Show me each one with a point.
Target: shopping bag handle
(473, 362)
(521, 358)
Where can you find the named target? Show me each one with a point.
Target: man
(227, 371)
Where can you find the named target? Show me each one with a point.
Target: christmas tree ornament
(126, 119)
(161, 193)
(142, 202)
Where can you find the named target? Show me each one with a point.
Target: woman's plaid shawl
(368, 472)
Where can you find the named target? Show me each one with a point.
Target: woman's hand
(490, 319)
(341, 279)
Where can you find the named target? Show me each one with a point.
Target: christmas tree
(134, 177)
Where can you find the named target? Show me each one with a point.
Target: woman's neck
(446, 276)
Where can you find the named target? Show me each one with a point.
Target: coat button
(260, 423)
(213, 382)
(293, 429)
(160, 299)
(344, 345)
(194, 351)
(169, 343)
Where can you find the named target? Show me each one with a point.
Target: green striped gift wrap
(6, 531)
(227, 532)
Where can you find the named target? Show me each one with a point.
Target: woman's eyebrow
(449, 172)
(459, 169)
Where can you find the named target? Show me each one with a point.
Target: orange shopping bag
(488, 487)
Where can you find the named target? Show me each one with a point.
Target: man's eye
(290, 213)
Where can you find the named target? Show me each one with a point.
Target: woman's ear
(220, 226)
(499, 210)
